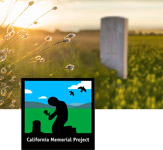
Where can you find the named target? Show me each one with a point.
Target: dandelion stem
(39, 18)
(8, 12)
(32, 55)
(19, 15)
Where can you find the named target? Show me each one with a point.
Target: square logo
(58, 114)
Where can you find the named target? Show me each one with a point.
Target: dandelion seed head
(11, 80)
(13, 101)
(3, 70)
(50, 75)
(2, 52)
(37, 58)
(3, 58)
(3, 84)
(54, 8)
(35, 22)
(21, 32)
(48, 38)
(7, 37)
(26, 36)
(70, 67)
(10, 29)
(3, 92)
(70, 36)
(66, 40)
(11, 51)
(11, 106)
(9, 66)
(42, 60)
(1, 78)
(31, 3)
(13, 77)
(1, 102)
(5, 50)
(35, 44)
(12, 33)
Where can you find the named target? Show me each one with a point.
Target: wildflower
(11, 106)
(3, 92)
(13, 77)
(1, 78)
(7, 37)
(9, 66)
(12, 33)
(48, 38)
(70, 36)
(13, 101)
(30, 3)
(2, 52)
(35, 22)
(50, 75)
(66, 40)
(119, 81)
(5, 50)
(35, 44)
(10, 30)
(3, 84)
(37, 58)
(3, 70)
(11, 80)
(26, 36)
(1, 102)
(3, 58)
(70, 67)
(21, 32)
(11, 51)
(54, 8)
(42, 60)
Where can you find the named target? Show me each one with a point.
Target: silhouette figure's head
(53, 101)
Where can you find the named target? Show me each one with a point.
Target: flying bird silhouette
(71, 93)
(82, 89)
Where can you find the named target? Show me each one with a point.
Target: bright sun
(27, 17)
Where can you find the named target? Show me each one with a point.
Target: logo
(57, 114)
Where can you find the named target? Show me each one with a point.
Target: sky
(40, 91)
(77, 15)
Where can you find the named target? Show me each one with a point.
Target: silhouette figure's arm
(52, 115)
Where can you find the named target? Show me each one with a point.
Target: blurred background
(143, 88)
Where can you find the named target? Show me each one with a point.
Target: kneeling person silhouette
(61, 112)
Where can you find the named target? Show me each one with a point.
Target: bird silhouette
(71, 93)
(82, 89)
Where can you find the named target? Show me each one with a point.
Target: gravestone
(114, 44)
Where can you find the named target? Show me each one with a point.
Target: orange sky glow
(83, 14)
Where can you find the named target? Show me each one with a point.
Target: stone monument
(114, 44)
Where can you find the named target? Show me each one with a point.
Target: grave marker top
(114, 36)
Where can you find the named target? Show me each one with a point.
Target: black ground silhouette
(61, 112)
(82, 89)
(71, 93)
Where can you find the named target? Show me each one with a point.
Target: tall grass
(14, 54)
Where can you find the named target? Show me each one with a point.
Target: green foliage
(142, 90)
(77, 118)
